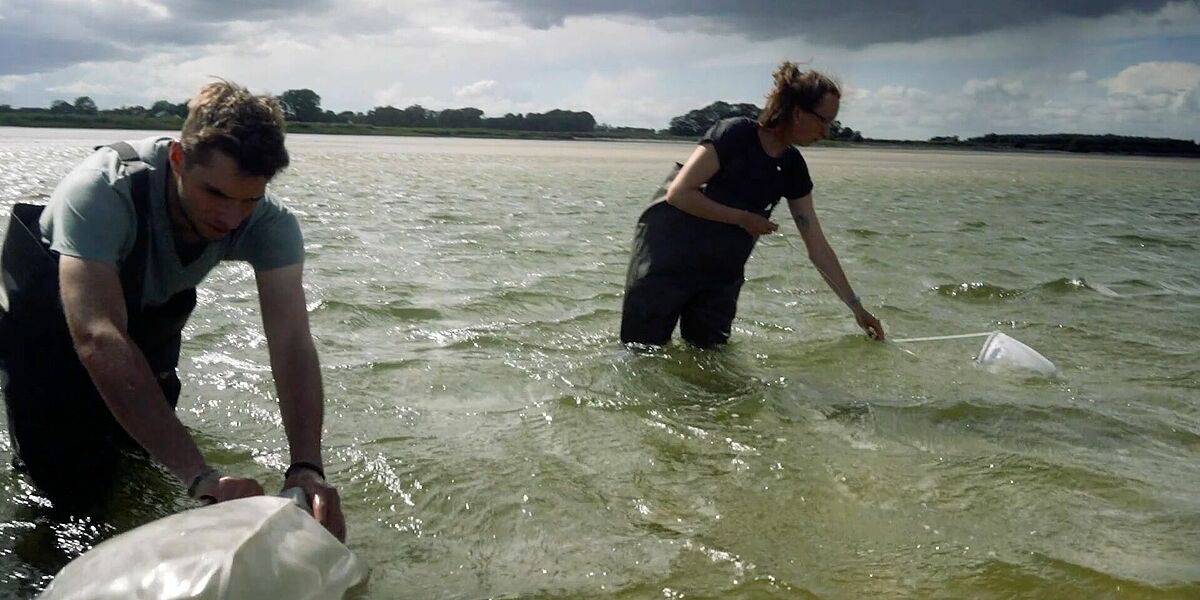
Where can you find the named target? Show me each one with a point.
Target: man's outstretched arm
(297, 373)
(94, 304)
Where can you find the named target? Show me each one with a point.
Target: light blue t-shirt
(91, 215)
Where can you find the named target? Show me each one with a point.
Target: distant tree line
(304, 106)
(696, 123)
(1072, 142)
(85, 106)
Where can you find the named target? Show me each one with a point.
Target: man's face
(216, 197)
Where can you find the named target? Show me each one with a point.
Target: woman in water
(690, 252)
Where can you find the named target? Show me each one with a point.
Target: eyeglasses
(818, 115)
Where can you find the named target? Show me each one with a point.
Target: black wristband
(303, 465)
(204, 473)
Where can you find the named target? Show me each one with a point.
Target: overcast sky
(912, 69)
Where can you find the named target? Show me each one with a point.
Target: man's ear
(175, 156)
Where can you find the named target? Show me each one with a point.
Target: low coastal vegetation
(304, 113)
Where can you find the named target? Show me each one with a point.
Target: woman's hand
(868, 322)
(756, 224)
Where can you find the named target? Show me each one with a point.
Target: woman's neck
(772, 140)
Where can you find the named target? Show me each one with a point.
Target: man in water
(98, 287)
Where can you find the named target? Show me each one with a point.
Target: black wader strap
(26, 254)
(134, 267)
(157, 330)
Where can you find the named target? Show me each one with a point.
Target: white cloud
(489, 96)
(480, 88)
(10, 82)
(1155, 77)
(1050, 113)
(145, 8)
(630, 98)
(995, 89)
(389, 96)
(1156, 87)
(851, 93)
(81, 88)
(1158, 100)
(1079, 76)
(903, 112)
(899, 100)
(471, 35)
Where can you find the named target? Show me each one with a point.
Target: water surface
(491, 438)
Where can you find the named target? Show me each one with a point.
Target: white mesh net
(261, 547)
(1000, 352)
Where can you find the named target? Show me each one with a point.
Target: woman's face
(809, 126)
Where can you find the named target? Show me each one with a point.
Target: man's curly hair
(249, 129)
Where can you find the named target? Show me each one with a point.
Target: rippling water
(492, 439)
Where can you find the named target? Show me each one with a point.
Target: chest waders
(62, 432)
(682, 269)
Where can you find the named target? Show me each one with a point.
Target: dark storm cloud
(41, 35)
(223, 11)
(850, 23)
(22, 53)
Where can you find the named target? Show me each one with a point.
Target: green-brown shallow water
(491, 438)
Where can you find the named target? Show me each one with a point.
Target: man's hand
(869, 323)
(218, 488)
(323, 498)
(756, 224)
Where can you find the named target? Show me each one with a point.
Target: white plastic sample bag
(1003, 352)
(254, 548)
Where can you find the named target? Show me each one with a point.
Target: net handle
(938, 338)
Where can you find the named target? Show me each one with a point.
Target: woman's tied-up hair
(250, 129)
(795, 88)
